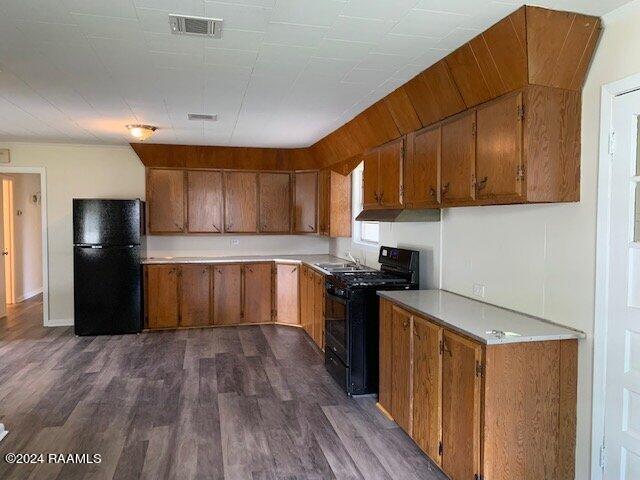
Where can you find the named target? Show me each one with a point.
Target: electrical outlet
(235, 242)
(479, 290)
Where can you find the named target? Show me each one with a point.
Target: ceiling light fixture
(141, 132)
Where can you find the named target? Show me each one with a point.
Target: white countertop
(479, 320)
(310, 260)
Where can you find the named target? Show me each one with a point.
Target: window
(367, 233)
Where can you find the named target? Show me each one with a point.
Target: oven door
(337, 326)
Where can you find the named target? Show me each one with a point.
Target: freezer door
(107, 222)
(107, 290)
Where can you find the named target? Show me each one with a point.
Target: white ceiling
(285, 73)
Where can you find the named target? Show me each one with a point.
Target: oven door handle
(336, 298)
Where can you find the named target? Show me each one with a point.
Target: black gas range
(351, 317)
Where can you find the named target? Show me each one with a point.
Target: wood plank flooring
(221, 403)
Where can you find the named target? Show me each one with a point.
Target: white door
(622, 397)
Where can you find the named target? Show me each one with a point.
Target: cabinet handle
(405, 323)
(445, 188)
(381, 197)
(310, 227)
(432, 192)
(482, 183)
(216, 228)
(377, 197)
(179, 227)
(294, 269)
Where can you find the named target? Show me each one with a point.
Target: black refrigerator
(108, 241)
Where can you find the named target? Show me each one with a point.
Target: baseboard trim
(29, 295)
(59, 322)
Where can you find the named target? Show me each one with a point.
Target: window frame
(357, 198)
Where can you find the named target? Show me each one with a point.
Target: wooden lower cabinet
(256, 293)
(195, 296)
(318, 309)
(227, 294)
(162, 296)
(312, 304)
(502, 411)
(287, 293)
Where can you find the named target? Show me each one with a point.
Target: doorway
(617, 333)
(23, 240)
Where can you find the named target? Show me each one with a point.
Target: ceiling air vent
(208, 27)
(202, 116)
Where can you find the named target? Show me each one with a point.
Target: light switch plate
(235, 242)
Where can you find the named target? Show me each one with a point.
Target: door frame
(608, 93)
(43, 224)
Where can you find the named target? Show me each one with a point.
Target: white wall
(81, 171)
(27, 237)
(540, 259)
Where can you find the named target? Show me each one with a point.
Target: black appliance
(108, 240)
(351, 317)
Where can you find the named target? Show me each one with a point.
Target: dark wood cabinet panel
(241, 202)
(275, 202)
(401, 369)
(257, 298)
(204, 201)
(390, 174)
(427, 387)
(165, 200)
(461, 384)
(162, 292)
(499, 169)
(195, 296)
(227, 294)
(458, 158)
(287, 293)
(420, 169)
(305, 202)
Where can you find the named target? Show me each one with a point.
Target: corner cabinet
(500, 411)
(335, 215)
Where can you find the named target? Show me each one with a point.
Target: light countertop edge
(474, 318)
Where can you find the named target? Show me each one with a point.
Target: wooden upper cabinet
(420, 169)
(305, 202)
(461, 396)
(499, 169)
(427, 387)
(390, 174)
(241, 202)
(256, 292)
(165, 200)
(335, 204)
(370, 193)
(287, 293)
(162, 296)
(275, 202)
(401, 389)
(458, 160)
(195, 296)
(204, 201)
(227, 294)
(324, 197)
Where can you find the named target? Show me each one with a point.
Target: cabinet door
(287, 299)
(460, 407)
(257, 295)
(458, 160)
(318, 309)
(227, 295)
(311, 303)
(275, 203)
(304, 299)
(195, 295)
(324, 200)
(339, 217)
(305, 203)
(401, 369)
(420, 169)
(499, 150)
(165, 200)
(204, 201)
(390, 174)
(241, 202)
(163, 307)
(427, 387)
(385, 346)
(370, 190)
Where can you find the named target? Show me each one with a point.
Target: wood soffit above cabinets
(532, 46)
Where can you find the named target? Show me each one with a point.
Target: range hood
(400, 215)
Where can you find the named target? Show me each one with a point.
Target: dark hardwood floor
(218, 403)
